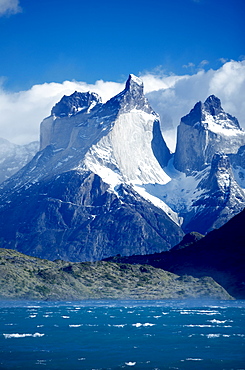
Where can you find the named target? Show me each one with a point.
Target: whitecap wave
(213, 335)
(18, 335)
(138, 324)
(198, 326)
(194, 359)
(214, 321)
(130, 363)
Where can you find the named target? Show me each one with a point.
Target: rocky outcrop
(221, 198)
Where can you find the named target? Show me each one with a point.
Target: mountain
(206, 189)
(14, 157)
(81, 197)
(206, 130)
(24, 277)
(220, 254)
(220, 198)
(238, 165)
(105, 183)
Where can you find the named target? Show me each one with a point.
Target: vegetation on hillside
(25, 277)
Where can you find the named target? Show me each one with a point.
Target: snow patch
(154, 199)
(126, 149)
(224, 127)
(239, 175)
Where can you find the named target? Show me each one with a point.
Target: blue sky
(184, 51)
(55, 40)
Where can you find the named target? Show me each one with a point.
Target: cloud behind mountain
(172, 96)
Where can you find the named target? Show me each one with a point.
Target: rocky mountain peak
(134, 85)
(76, 102)
(206, 130)
(195, 115)
(213, 105)
(210, 116)
(132, 97)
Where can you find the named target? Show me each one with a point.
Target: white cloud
(171, 96)
(22, 112)
(9, 7)
(189, 65)
(203, 63)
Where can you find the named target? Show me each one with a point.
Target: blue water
(122, 335)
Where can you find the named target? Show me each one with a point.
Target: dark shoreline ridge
(220, 254)
(29, 278)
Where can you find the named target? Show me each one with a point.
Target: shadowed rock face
(221, 198)
(75, 217)
(220, 254)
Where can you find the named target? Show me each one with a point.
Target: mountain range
(105, 183)
(14, 157)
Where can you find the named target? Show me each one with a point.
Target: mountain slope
(23, 277)
(205, 190)
(220, 254)
(14, 157)
(79, 198)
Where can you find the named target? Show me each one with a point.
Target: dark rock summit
(77, 102)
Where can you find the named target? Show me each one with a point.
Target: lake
(122, 334)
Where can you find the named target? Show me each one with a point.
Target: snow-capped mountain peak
(206, 130)
(132, 97)
(213, 105)
(76, 102)
(134, 83)
(217, 120)
(211, 116)
(133, 150)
